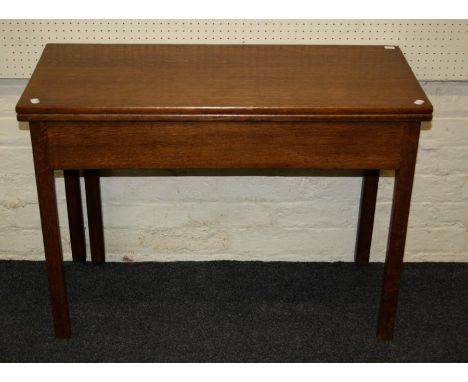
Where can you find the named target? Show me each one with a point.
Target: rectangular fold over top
(227, 82)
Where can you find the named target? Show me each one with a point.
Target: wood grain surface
(94, 209)
(75, 215)
(228, 80)
(168, 145)
(370, 185)
(50, 231)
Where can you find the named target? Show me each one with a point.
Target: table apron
(107, 145)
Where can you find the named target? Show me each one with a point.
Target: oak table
(92, 107)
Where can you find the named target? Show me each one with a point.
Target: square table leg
(397, 234)
(45, 182)
(75, 215)
(370, 184)
(94, 209)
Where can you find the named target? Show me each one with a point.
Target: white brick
(437, 239)
(337, 242)
(23, 243)
(442, 160)
(20, 240)
(18, 190)
(427, 214)
(428, 240)
(318, 214)
(16, 160)
(446, 132)
(439, 214)
(232, 188)
(175, 240)
(14, 133)
(285, 214)
(27, 216)
(188, 214)
(437, 256)
(436, 189)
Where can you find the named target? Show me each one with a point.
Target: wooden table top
(133, 82)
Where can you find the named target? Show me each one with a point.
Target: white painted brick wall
(165, 218)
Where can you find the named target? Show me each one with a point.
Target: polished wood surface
(224, 145)
(50, 231)
(252, 106)
(397, 235)
(145, 81)
(370, 184)
(94, 209)
(75, 215)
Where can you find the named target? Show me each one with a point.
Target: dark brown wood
(224, 117)
(223, 106)
(94, 209)
(397, 235)
(352, 145)
(174, 80)
(50, 230)
(370, 184)
(75, 214)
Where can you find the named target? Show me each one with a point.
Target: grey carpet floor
(234, 312)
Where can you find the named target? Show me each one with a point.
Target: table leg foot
(370, 183)
(397, 235)
(50, 231)
(75, 215)
(94, 209)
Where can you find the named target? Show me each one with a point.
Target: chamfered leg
(94, 209)
(50, 230)
(75, 215)
(397, 234)
(370, 183)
